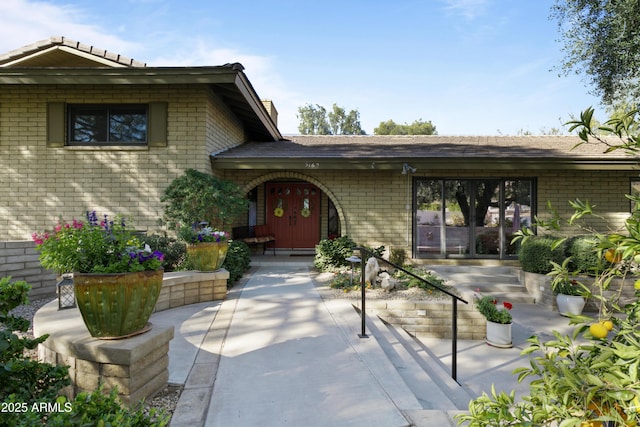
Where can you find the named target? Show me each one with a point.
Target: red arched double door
(293, 214)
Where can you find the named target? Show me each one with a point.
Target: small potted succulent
(499, 320)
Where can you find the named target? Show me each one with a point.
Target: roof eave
(261, 125)
(422, 164)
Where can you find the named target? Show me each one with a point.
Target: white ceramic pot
(499, 334)
(570, 304)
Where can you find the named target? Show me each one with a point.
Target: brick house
(84, 128)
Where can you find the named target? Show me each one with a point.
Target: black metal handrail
(455, 298)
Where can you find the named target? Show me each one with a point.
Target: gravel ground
(166, 399)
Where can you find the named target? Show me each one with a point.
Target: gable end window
(124, 124)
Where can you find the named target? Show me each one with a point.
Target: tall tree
(418, 127)
(602, 41)
(314, 121)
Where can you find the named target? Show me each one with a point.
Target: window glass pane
(428, 216)
(457, 214)
(487, 216)
(88, 124)
(128, 124)
(517, 213)
(107, 124)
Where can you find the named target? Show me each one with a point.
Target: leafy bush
(536, 254)
(343, 281)
(237, 261)
(412, 282)
(173, 250)
(583, 252)
(333, 253)
(30, 389)
(196, 197)
(398, 256)
(22, 378)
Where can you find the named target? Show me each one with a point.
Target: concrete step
(500, 281)
(425, 376)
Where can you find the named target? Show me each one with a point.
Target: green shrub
(398, 256)
(584, 257)
(23, 379)
(96, 408)
(412, 282)
(237, 261)
(537, 252)
(343, 281)
(333, 253)
(174, 251)
(30, 390)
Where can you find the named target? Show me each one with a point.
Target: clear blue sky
(472, 67)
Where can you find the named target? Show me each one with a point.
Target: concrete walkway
(275, 354)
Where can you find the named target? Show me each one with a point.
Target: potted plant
(569, 292)
(206, 248)
(499, 320)
(117, 277)
(198, 207)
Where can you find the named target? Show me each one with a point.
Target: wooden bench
(254, 235)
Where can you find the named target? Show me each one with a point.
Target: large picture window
(470, 217)
(107, 124)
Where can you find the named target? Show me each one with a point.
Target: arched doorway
(332, 221)
(293, 214)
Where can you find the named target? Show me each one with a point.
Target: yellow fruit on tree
(608, 324)
(636, 285)
(613, 256)
(598, 330)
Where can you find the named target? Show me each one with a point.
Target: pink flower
(37, 239)
(58, 227)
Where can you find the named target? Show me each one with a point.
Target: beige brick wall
(38, 184)
(374, 201)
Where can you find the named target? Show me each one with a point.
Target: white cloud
(25, 22)
(470, 9)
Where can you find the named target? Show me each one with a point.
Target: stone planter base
(138, 366)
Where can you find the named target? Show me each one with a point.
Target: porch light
(406, 168)
(66, 294)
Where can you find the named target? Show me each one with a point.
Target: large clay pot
(570, 304)
(499, 334)
(207, 256)
(117, 305)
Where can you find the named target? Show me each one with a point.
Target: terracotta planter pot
(570, 304)
(207, 256)
(117, 305)
(499, 334)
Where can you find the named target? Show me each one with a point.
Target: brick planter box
(429, 319)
